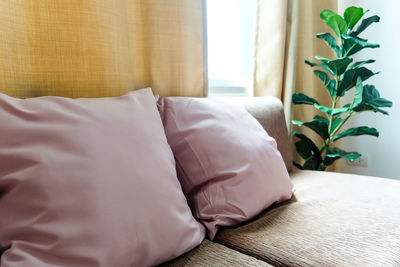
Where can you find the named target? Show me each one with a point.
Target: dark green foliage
(334, 153)
(333, 111)
(331, 41)
(299, 98)
(349, 79)
(367, 98)
(327, 81)
(339, 75)
(362, 130)
(361, 63)
(365, 24)
(308, 151)
(318, 124)
(352, 45)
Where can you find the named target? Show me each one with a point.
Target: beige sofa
(333, 219)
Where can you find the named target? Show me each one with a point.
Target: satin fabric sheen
(229, 167)
(89, 182)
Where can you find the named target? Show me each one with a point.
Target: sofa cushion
(229, 167)
(333, 220)
(214, 255)
(89, 182)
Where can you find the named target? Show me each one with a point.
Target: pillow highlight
(229, 167)
(89, 182)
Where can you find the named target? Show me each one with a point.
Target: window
(230, 30)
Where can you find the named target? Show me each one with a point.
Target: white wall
(383, 153)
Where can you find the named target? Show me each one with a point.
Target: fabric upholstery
(89, 182)
(268, 111)
(334, 219)
(229, 167)
(210, 254)
(96, 48)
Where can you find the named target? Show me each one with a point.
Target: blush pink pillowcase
(229, 168)
(89, 182)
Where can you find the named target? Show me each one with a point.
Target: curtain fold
(276, 50)
(308, 47)
(285, 37)
(97, 48)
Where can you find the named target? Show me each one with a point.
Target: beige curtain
(276, 49)
(92, 48)
(285, 37)
(308, 47)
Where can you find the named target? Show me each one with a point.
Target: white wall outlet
(359, 162)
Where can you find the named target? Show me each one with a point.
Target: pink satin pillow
(89, 182)
(229, 168)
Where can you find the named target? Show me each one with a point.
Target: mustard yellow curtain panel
(93, 48)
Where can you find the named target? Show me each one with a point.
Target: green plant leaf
(337, 66)
(334, 111)
(352, 15)
(297, 165)
(303, 149)
(337, 152)
(332, 66)
(331, 41)
(336, 123)
(319, 125)
(367, 98)
(350, 79)
(347, 74)
(359, 64)
(299, 98)
(315, 160)
(362, 130)
(311, 63)
(327, 81)
(329, 161)
(313, 163)
(325, 14)
(336, 22)
(322, 65)
(352, 45)
(334, 153)
(365, 24)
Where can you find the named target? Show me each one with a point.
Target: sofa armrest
(268, 111)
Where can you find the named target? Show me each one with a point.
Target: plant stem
(328, 141)
(345, 119)
(331, 116)
(341, 124)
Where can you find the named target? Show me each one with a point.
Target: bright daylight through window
(230, 30)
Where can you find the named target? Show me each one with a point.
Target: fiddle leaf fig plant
(339, 76)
